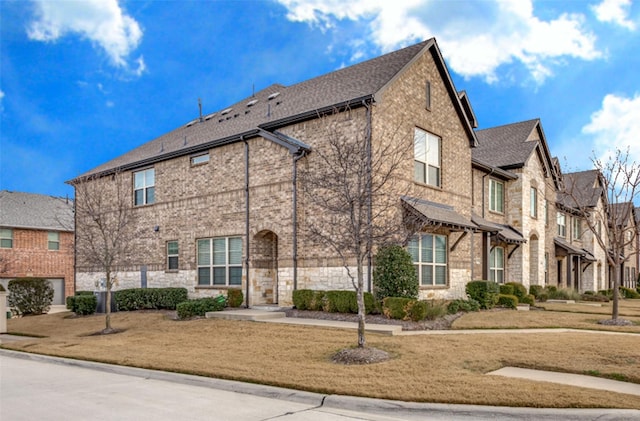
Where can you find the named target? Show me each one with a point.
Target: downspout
(485, 236)
(246, 198)
(369, 193)
(75, 241)
(296, 158)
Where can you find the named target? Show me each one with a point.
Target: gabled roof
(279, 105)
(622, 213)
(35, 211)
(506, 146)
(580, 189)
(468, 110)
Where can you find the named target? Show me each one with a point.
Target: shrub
(463, 305)
(434, 309)
(564, 294)
(595, 297)
(302, 298)
(200, 306)
(419, 310)
(629, 293)
(543, 296)
(607, 293)
(85, 304)
(508, 301)
(551, 289)
(2, 288)
(30, 295)
(394, 274)
(519, 290)
(339, 301)
(484, 292)
(536, 290)
(234, 297)
(318, 300)
(149, 298)
(589, 293)
(84, 293)
(395, 307)
(506, 289)
(528, 299)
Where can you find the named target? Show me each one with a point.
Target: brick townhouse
(36, 240)
(222, 206)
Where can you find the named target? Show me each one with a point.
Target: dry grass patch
(511, 319)
(424, 368)
(626, 309)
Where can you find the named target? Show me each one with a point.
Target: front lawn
(425, 368)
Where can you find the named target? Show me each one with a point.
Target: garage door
(58, 289)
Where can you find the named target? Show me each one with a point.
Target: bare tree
(355, 188)
(105, 227)
(619, 178)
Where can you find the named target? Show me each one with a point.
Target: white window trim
(533, 202)
(562, 228)
(174, 255)
(200, 159)
(50, 242)
(212, 266)
(421, 266)
(494, 268)
(493, 199)
(425, 159)
(145, 188)
(6, 234)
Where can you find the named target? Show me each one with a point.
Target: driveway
(38, 387)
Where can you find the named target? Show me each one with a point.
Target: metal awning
(505, 233)
(432, 213)
(568, 248)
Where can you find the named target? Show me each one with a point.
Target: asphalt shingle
(35, 211)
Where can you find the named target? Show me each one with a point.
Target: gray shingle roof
(581, 189)
(506, 146)
(622, 213)
(267, 110)
(35, 211)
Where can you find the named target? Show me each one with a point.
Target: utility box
(101, 297)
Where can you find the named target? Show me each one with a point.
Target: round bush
(394, 274)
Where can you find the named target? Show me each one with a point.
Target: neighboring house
(512, 171)
(582, 207)
(624, 217)
(637, 211)
(222, 206)
(36, 240)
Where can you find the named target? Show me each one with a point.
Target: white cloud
(476, 37)
(616, 126)
(102, 22)
(614, 11)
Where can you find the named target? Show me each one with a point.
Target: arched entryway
(264, 263)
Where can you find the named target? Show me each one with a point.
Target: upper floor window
(53, 240)
(429, 254)
(577, 228)
(496, 196)
(144, 187)
(200, 159)
(428, 95)
(220, 261)
(562, 227)
(172, 255)
(496, 265)
(546, 212)
(6, 238)
(534, 202)
(426, 147)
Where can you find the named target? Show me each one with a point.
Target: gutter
(294, 180)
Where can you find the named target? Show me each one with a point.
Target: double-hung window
(172, 255)
(220, 261)
(426, 147)
(6, 238)
(534, 202)
(496, 196)
(53, 240)
(577, 228)
(429, 254)
(562, 227)
(496, 265)
(144, 185)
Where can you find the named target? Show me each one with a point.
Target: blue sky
(82, 82)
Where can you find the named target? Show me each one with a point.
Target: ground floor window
(496, 265)
(220, 261)
(172, 255)
(429, 254)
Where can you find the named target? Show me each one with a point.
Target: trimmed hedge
(528, 299)
(536, 290)
(594, 297)
(234, 297)
(519, 290)
(302, 298)
(400, 308)
(508, 301)
(506, 289)
(200, 306)
(337, 301)
(30, 295)
(629, 293)
(394, 274)
(149, 298)
(458, 305)
(85, 304)
(484, 292)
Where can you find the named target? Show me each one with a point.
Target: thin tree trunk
(616, 292)
(107, 310)
(361, 308)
